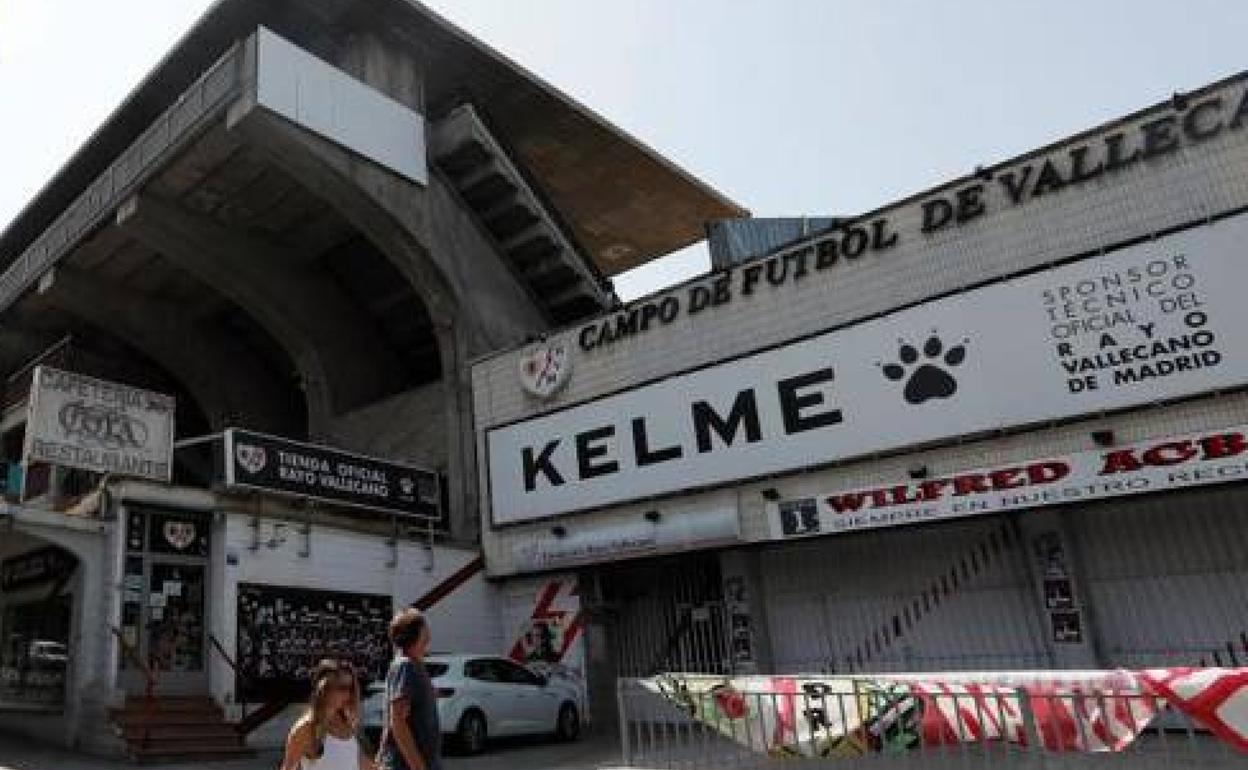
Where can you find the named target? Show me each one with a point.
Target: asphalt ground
(590, 753)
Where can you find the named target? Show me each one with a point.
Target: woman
(325, 737)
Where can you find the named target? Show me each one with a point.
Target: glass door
(173, 642)
(165, 600)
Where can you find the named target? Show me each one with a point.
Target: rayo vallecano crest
(251, 458)
(179, 534)
(545, 368)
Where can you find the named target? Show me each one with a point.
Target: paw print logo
(930, 378)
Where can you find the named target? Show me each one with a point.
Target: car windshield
(436, 670)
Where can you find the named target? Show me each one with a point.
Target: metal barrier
(1007, 728)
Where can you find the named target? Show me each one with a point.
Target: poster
(283, 632)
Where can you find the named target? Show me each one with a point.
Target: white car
(487, 696)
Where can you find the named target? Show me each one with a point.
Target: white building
(996, 425)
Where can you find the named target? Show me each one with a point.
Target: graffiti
(553, 626)
(838, 717)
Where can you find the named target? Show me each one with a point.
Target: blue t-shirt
(408, 679)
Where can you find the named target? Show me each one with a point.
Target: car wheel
(471, 733)
(568, 726)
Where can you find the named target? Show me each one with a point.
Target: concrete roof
(624, 203)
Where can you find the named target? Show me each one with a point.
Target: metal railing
(240, 679)
(1007, 728)
(149, 684)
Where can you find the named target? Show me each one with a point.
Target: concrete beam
(341, 359)
(227, 381)
(476, 304)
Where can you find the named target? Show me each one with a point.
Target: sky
(788, 107)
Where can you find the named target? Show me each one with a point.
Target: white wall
(520, 599)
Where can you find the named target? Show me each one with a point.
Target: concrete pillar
(395, 70)
(1053, 565)
(745, 615)
(469, 294)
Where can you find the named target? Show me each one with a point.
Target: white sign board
(82, 422)
(1171, 463)
(327, 101)
(715, 524)
(1154, 321)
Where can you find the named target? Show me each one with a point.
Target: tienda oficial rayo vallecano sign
(1155, 466)
(1154, 321)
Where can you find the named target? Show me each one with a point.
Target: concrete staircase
(176, 729)
(523, 228)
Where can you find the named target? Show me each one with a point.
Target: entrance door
(165, 604)
(173, 642)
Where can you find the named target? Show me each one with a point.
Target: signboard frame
(232, 481)
(1149, 466)
(1150, 322)
(35, 403)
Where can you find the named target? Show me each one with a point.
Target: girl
(325, 737)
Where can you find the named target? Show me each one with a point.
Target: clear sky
(787, 106)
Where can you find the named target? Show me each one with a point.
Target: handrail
(238, 675)
(149, 689)
(149, 676)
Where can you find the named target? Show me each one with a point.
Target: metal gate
(951, 596)
(667, 615)
(1167, 577)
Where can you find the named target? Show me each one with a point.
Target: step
(153, 755)
(191, 743)
(125, 719)
(172, 703)
(209, 730)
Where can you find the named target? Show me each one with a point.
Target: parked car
(485, 696)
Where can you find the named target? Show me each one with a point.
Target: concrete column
(1053, 565)
(467, 292)
(392, 69)
(745, 615)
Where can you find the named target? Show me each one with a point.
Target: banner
(81, 422)
(256, 461)
(1154, 321)
(1169, 463)
(1098, 711)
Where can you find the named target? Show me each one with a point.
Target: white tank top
(340, 754)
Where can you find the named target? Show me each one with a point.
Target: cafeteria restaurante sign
(1187, 122)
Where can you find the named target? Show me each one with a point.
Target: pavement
(590, 753)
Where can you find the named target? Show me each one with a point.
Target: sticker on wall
(179, 534)
(1059, 594)
(545, 368)
(251, 458)
(1067, 627)
(552, 628)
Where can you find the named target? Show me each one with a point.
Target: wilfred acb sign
(105, 427)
